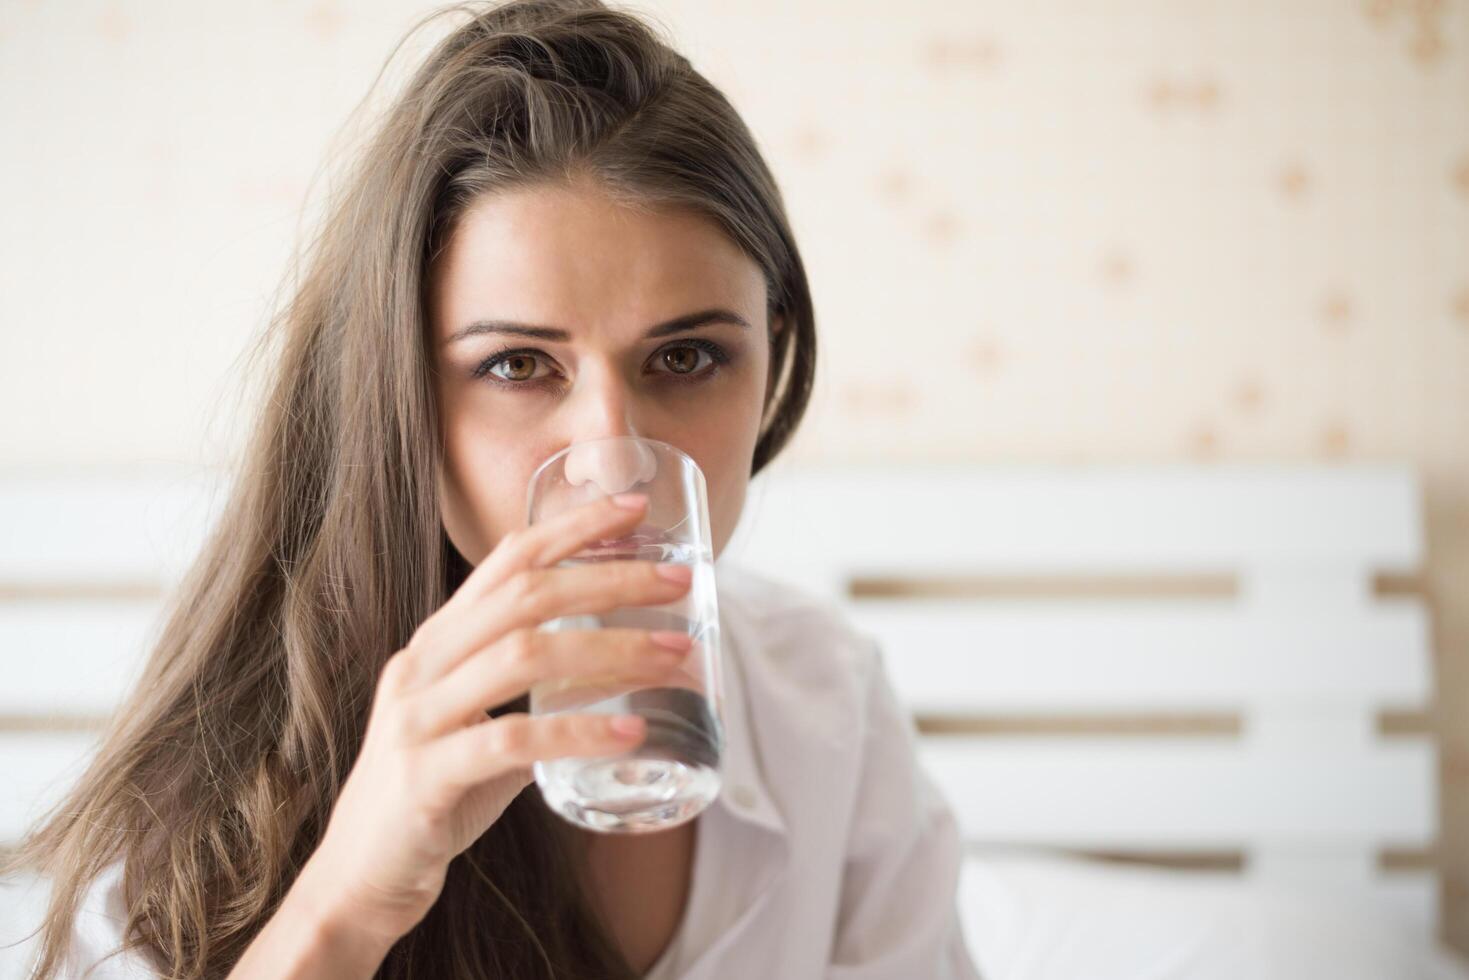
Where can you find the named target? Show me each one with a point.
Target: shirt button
(744, 796)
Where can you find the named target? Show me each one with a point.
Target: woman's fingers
(500, 672)
(549, 541)
(425, 784)
(533, 596)
(499, 745)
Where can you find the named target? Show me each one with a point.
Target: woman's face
(593, 278)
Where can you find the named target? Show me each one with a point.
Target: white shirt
(829, 853)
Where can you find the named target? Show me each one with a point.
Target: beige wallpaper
(1059, 231)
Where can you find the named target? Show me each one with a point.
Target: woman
(305, 782)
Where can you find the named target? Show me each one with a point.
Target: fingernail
(675, 572)
(632, 501)
(672, 639)
(627, 724)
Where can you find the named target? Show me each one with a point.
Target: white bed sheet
(1032, 915)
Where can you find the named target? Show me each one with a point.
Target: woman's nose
(601, 423)
(614, 464)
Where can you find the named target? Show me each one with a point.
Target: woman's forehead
(555, 256)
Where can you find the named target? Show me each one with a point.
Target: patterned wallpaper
(1059, 231)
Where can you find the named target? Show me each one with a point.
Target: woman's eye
(683, 359)
(513, 368)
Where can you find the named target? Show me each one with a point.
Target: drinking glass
(673, 774)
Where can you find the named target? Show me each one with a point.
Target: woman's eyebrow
(689, 321)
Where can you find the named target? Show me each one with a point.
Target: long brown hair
(216, 776)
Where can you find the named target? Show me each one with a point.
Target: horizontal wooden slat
(38, 767)
(1189, 793)
(951, 657)
(966, 519)
(1182, 795)
(22, 908)
(73, 656)
(107, 528)
(945, 657)
(1089, 793)
(1047, 897)
(1412, 897)
(121, 524)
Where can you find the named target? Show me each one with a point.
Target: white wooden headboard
(1301, 652)
(87, 556)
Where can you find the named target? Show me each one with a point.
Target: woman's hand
(434, 772)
